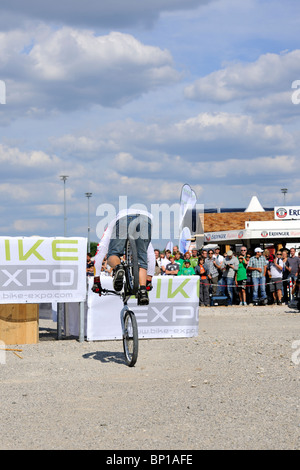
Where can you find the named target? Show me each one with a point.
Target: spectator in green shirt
(179, 260)
(241, 279)
(187, 269)
(194, 258)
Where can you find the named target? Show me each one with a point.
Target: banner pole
(81, 322)
(59, 321)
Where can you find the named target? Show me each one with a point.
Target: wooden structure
(225, 221)
(19, 323)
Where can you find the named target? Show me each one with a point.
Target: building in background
(254, 226)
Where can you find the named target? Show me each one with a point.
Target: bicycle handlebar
(108, 292)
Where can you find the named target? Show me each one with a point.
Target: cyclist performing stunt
(137, 223)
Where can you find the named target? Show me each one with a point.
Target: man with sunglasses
(244, 251)
(213, 271)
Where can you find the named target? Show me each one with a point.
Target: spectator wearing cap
(187, 269)
(258, 267)
(230, 265)
(217, 256)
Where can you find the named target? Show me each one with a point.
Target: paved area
(235, 386)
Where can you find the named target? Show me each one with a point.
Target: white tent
(255, 206)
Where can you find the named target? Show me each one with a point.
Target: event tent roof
(255, 205)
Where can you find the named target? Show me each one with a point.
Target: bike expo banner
(171, 313)
(42, 270)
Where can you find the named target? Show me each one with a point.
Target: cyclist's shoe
(143, 298)
(149, 285)
(97, 286)
(118, 278)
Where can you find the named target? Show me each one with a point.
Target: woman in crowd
(201, 270)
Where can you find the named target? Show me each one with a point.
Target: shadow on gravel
(106, 356)
(47, 334)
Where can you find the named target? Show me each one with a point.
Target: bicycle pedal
(118, 279)
(143, 302)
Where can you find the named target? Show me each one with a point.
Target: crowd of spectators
(244, 277)
(258, 277)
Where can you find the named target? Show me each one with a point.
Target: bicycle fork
(122, 315)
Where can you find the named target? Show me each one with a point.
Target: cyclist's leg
(142, 239)
(142, 276)
(116, 250)
(113, 261)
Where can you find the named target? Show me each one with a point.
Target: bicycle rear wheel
(132, 271)
(130, 338)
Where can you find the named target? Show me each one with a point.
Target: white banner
(188, 200)
(41, 270)
(269, 234)
(225, 236)
(188, 217)
(171, 313)
(287, 213)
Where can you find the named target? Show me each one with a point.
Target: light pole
(64, 179)
(88, 195)
(284, 191)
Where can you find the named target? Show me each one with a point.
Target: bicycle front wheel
(130, 338)
(132, 271)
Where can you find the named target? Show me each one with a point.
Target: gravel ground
(235, 386)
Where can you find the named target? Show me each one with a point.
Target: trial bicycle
(130, 288)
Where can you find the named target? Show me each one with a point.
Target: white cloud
(69, 69)
(65, 55)
(124, 161)
(202, 137)
(31, 225)
(270, 73)
(34, 159)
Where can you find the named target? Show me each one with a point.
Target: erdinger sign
(42, 270)
(287, 213)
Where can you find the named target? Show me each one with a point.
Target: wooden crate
(19, 323)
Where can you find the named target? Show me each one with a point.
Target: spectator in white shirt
(275, 271)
